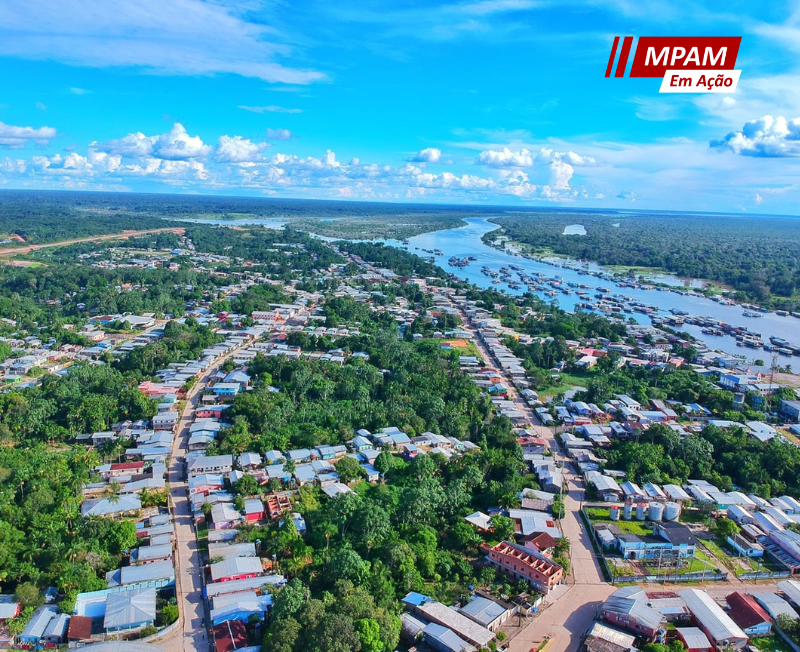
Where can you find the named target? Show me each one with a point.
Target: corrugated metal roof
(711, 616)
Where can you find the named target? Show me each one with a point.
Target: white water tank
(613, 512)
(627, 511)
(672, 511)
(641, 511)
(656, 511)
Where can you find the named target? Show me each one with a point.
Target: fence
(611, 574)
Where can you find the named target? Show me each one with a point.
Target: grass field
(771, 644)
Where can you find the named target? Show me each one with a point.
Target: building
(791, 589)
(486, 612)
(432, 611)
(775, 606)
(80, 629)
(721, 630)
(229, 636)
(694, 639)
(235, 568)
(444, 639)
(526, 564)
(130, 610)
(628, 608)
(35, 629)
(602, 638)
(790, 410)
(785, 546)
(748, 614)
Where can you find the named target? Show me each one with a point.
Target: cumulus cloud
(235, 149)
(17, 137)
(79, 91)
(505, 158)
(272, 108)
(175, 145)
(427, 155)
(629, 195)
(766, 137)
(758, 199)
(279, 134)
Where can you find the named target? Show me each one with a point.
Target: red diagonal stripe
(623, 56)
(611, 58)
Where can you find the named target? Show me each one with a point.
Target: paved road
(571, 608)
(188, 581)
(25, 249)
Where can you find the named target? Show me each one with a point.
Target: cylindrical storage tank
(656, 511)
(613, 512)
(672, 511)
(641, 511)
(627, 511)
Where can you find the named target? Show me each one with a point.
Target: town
(222, 520)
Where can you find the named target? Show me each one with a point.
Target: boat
(753, 315)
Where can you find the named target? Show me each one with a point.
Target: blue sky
(473, 101)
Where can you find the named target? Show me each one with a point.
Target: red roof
(230, 636)
(80, 628)
(126, 465)
(745, 611)
(543, 541)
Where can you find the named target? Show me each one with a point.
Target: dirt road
(11, 251)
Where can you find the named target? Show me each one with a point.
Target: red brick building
(525, 563)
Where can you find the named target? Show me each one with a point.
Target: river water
(466, 241)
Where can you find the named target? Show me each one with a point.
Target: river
(466, 241)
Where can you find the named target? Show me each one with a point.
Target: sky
(459, 101)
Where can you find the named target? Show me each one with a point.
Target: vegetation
(762, 264)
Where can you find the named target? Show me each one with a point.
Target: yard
(602, 515)
(771, 644)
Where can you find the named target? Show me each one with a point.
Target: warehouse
(715, 623)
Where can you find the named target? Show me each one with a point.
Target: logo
(686, 64)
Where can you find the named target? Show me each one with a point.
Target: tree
(28, 595)
(384, 463)
(247, 485)
(503, 527)
(369, 632)
(349, 469)
(289, 600)
(725, 528)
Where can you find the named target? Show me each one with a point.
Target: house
(56, 631)
(775, 606)
(748, 614)
(224, 516)
(226, 389)
(785, 546)
(158, 574)
(721, 630)
(204, 464)
(151, 554)
(435, 612)
(790, 410)
(243, 606)
(130, 610)
(486, 612)
(602, 638)
(277, 504)
(249, 460)
(628, 608)
(80, 629)
(235, 568)
(230, 635)
(253, 510)
(791, 590)
(526, 564)
(227, 549)
(480, 520)
(745, 547)
(9, 607)
(694, 639)
(34, 630)
(122, 505)
(441, 638)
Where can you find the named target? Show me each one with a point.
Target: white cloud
(187, 37)
(235, 149)
(427, 155)
(177, 144)
(41, 106)
(272, 108)
(506, 158)
(758, 199)
(133, 145)
(78, 91)
(766, 137)
(279, 134)
(628, 195)
(17, 137)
